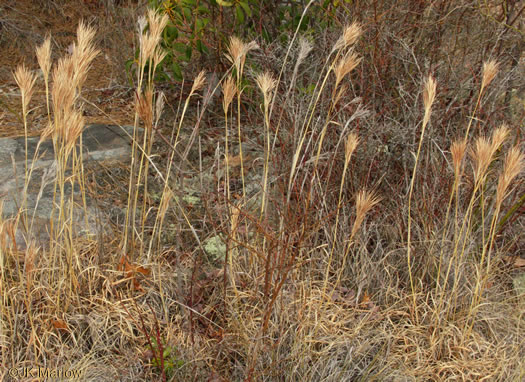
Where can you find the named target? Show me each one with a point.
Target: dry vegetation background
(355, 213)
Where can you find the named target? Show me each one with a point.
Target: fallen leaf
(519, 262)
(59, 324)
(516, 261)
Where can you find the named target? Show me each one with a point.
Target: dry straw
(429, 94)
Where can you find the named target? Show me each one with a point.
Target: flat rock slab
(99, 143)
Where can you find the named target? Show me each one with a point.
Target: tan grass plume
(513, 166)
(228, 90)
(43, 55)
(350, 145)
(458, 149)
(345, 65)
(364, 202)
(350, 35)
(490, 69)
(267, 84)
(237, 51)
(25, 80)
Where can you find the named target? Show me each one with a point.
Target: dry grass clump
(321, 268)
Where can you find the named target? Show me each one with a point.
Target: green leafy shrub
(200, 28)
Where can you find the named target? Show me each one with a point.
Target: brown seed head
(43, 55)
(364, 202)
(429, 94)
(157, 23)
(351, 144)
(63, 91)
(199, 82)
(350, 35)
(73, 128)
(237, 51)
(267, 84)
(159, 106)
(458, 149)
(499, 135)
(228, 90)
(482, 157)
(345, 66)
(158, 56)
(514, 165)
(83, 54)
(143, 105)
(490, 69)
(25, 80)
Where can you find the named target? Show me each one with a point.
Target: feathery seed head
(63, 90)
(158, 56)
(228, 90)
(482, 157)
(83, 54)
(147, 43)
(150, 40)
(513, 166)
(304, 49)
(345, 66)
(499, 135)
(237, 51)
(85, 35)
(43, 55)
(458, 149)
(267, 84)
(159, 106)
(429, 93)
(364, 202)
(143, 105)
(141, 24)
(47, 132)
(349, 37)
(25, 80)
(490, 69)
(350, 145)
(157, 23)
(199, 82)
(73, 128)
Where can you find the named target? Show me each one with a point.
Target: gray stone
(100, 143)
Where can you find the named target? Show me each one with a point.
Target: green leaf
(130, 71)
(223, 3)
(187, 13)
(199, 24)
(177, 71)
(179, 47)
(188, 52)
(202, 9)
(162, 76)
(266, 35)
(239, 15)
(201, 47)
(246, 8)
(171, 33)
